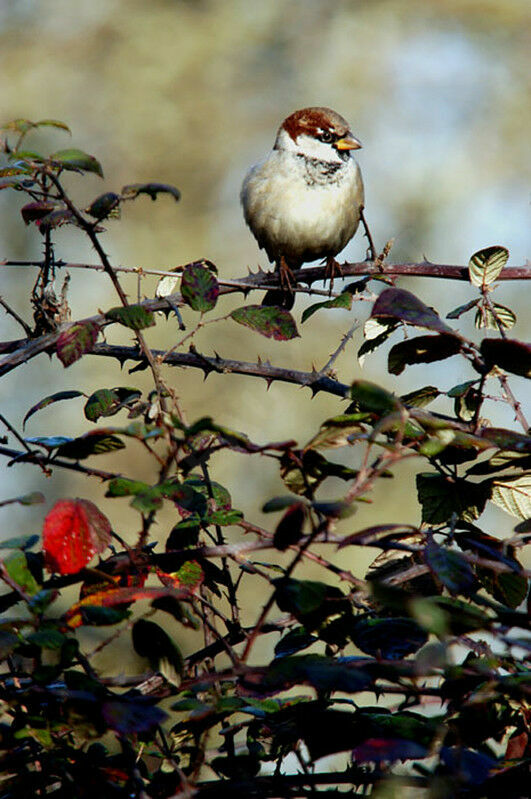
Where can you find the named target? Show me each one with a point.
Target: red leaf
(75, 341)
(74, 530)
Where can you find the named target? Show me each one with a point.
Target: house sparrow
(304, 201)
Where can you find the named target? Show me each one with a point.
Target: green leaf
(108, 401)
(308, 469)
(509, 354)
(391, 639)
(270, 322)
(33, 498)
(440, 498)
(106, 205)
(151, 189)
(450, 568)
(46, 639)
(461, 309)
(290, 528)
(485, 265)
(422, 349)
(495, 317)
(294, 641)
(279, 503)
(135, 317)
(152, 642)
(8, 642)
(74, 159)
(124, 487)
(405, 306)
(199, 287)
(421, 397)
(461, 617)
(339, 431)
(96, 442)
(20, 541)
(52, 123)
(513, 495)
(43, 403)
(16, 566)
(324, 673)
(342, 301)
(75, 341)
(373, 399)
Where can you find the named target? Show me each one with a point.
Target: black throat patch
(318, 172)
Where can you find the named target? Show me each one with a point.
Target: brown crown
(312, 120)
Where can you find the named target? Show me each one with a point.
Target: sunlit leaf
(73, 532)
(485, 265)
(108, 401)
(199, 287)
(75, 160)
(270, 322)
(376, 332)
(373, 399)
(495, 317)
(16, 566)
(135, 317)
(513, 495)
(342, 301)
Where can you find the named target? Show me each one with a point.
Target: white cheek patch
(320, 150)
(309, 147)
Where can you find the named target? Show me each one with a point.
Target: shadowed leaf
(422, 349)
(391, 639)
(43, 403)
(511, 355)
(289, 528)
(151, 189)
(405, 306)
(450, 568)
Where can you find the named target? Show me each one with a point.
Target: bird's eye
(326, 136)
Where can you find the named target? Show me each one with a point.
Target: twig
(27, 329)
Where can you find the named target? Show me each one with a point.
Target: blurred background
(191, 92)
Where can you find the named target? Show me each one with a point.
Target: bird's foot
(285, 296)
(333, 270)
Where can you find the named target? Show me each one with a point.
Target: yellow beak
(348, 143)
